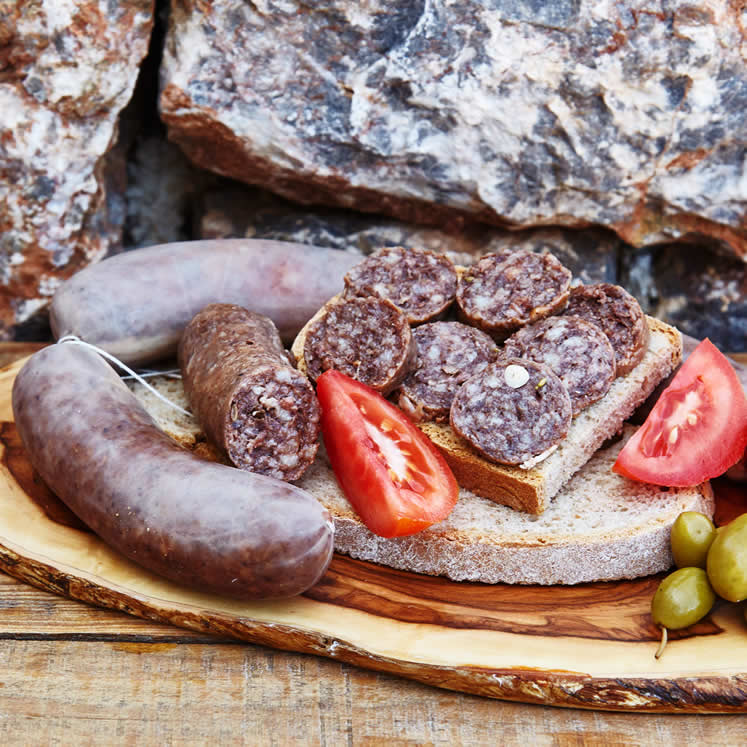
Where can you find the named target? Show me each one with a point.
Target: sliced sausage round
(618, 315)
(512, 411)
(419, 282)
(501, 293)
(448, 354)
(367, 339)
(245, 393)
(575, 349)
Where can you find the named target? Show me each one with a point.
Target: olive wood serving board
(589, 646)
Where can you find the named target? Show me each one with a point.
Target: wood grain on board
(589, 646)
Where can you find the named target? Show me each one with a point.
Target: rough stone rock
(628, 115)
(162, 186)
(67, 68)
(702, 293)
(590, 254)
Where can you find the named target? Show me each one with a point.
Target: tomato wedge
(391, 473)
(696, 430)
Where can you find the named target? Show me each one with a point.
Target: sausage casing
(135, 305)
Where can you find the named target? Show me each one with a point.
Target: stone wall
(612, 134)
(67, 70)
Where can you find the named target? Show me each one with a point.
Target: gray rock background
(610, 134)
(67, 70)
(625, 115)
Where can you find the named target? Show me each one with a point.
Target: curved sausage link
(201, 524)
(135, 305)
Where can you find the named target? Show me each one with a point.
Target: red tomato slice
(391, 473)
(697, 429)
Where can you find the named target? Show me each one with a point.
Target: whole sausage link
(201, 524)
(135, 305)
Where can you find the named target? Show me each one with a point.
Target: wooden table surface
(74, 674)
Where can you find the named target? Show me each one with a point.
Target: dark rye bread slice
(600, 526)
(530, 489)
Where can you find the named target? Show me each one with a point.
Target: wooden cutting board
(589, 646)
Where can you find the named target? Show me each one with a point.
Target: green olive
(692, 534)
(683, 598)
(727, 561)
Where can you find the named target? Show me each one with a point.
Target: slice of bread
(600, 526)
(530, 490)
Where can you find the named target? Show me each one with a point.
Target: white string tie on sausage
(139, 377)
